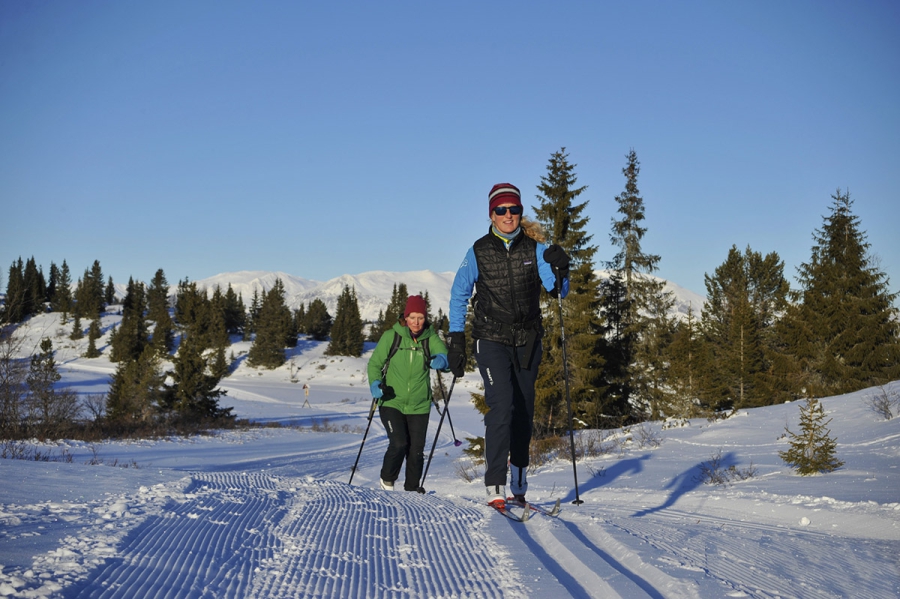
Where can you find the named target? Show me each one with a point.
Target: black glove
(456, 353)
(387, 394)
(557, 258)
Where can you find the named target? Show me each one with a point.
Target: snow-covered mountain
(374, 289)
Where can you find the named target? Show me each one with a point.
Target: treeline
(190, 329)
(755, 342)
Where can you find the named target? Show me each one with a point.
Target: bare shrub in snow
(885, 402)
(715, 472)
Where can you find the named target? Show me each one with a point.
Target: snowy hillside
(267, 512)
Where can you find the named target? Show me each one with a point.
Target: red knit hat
(415, 303)
(503, 193)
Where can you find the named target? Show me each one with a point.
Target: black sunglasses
(514, 210)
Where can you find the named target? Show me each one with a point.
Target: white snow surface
(268, 512)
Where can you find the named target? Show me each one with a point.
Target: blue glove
(375, 387)
(439, 362)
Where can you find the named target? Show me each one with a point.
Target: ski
(503, 510)
(552, 512)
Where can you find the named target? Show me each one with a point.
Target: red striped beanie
(503, 193)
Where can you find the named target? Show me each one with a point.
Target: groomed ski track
(217, 535)
(286, 537)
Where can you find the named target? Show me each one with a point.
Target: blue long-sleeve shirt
(467, 276)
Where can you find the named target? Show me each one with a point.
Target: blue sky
(321, 138)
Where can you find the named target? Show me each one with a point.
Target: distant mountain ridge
(374, 289)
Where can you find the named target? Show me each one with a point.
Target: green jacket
(407, 374)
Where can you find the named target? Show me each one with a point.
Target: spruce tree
(745, 295)
(300, 319)
(109, 294)
(93, 335)
(157, 296)
(274, 329)
(128, 340)
(844, 333)
(163, 339)
(252, 315)
(318, 320)
(192, 312)
(652, 362)
(62, 296)
(137, 389)
(235, 313)
(77, 331)
(347, 331)
(219, 366)
(15, 305)
(89, 295)
(392, 313)
(636, 306)
(194, 393)
(377, 328)
(812, 449)
(564, 223)
(51, 284)
(34, 288)
(218, 331)
(686, 362)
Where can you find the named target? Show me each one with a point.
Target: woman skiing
(400, 381)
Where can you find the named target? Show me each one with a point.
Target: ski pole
(371, 414)
(456, 442)
(440, 410)
(562, 332)
(440, 423)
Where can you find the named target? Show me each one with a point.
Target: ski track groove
(254, 535)
(247, 534)
(771, 564)
(413, 538)
(188, 551)
(595, 564)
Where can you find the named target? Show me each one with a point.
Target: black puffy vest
(508, 290)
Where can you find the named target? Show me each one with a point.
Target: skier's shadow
(684, 483)
(621, 468)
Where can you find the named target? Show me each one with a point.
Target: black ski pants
(509, 395)
(406, 440)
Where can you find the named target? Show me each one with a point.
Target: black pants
(406, 440)
(509, 395)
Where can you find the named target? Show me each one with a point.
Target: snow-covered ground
(267, 512)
